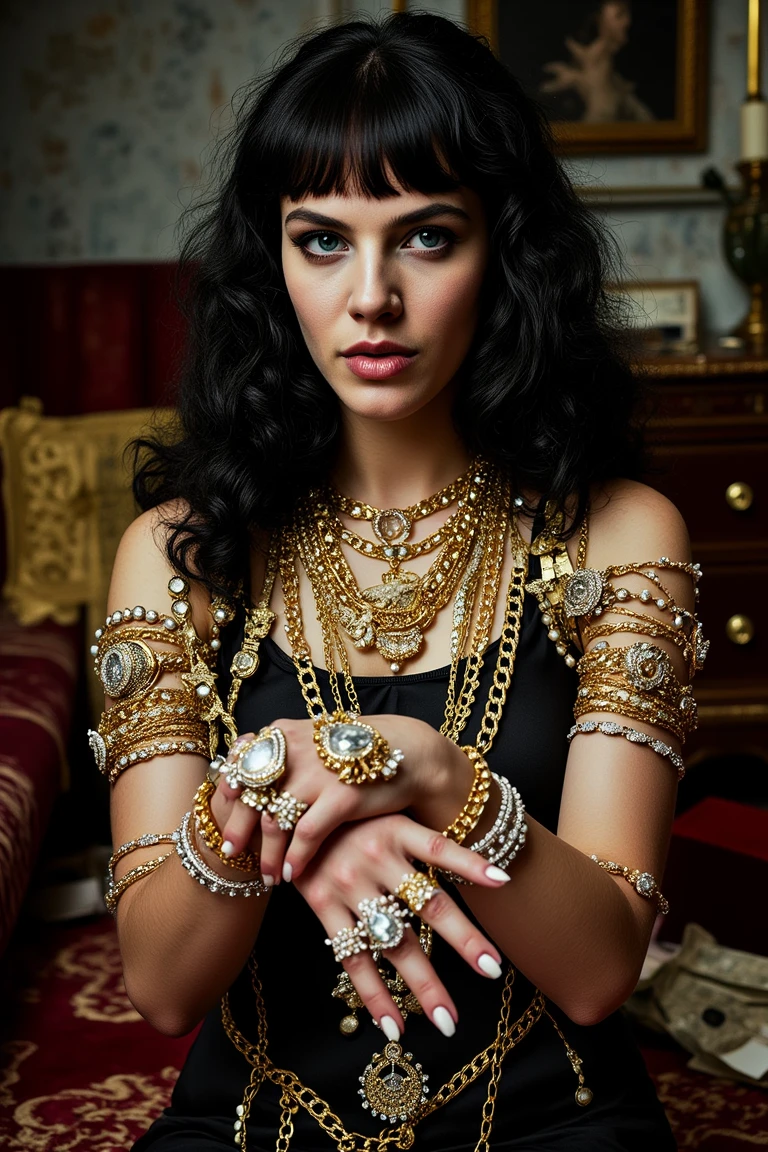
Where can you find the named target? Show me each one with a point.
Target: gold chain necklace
(394, 614)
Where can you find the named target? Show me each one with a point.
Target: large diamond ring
(383, 921)
(416, 889)
(353, 750)
(256, 763)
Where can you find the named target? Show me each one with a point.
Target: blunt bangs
(357, 119)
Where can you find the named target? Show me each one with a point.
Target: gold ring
(416, 889)
(256, 763)
(354, 750)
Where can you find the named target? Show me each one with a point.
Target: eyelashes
(449, 238)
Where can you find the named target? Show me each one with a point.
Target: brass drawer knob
(740, 629)
(739, 496)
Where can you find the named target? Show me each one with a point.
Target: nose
(374, 294)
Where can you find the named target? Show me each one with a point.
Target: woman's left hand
(430, 767)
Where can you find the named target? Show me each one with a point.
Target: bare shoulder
(632, 522)
(142, 568)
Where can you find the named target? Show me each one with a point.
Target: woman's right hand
(368, 859)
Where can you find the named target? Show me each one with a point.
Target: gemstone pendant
(400, 645)
(391, 526)
(393, 1087)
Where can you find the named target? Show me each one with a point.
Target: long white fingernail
(268, 881)
(227, 848)
(389, 1028)
(287, 872)
(487, 964)
(444, 1021)
(494, 873)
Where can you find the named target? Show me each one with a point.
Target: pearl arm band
(199, 870)
(634, 735)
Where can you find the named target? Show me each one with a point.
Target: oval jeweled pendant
(393, 1087)
(259, 762)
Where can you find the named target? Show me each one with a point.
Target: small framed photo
(666, 314)
(612, 75)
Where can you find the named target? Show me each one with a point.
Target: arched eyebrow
(416, 217)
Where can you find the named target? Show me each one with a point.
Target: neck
(393, 464)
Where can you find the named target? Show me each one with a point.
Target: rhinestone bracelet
(503, 841)
(634, 735)
(199, 870)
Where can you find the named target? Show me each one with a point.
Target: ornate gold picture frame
(612, 75)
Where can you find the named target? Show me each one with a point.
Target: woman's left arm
(575, 930)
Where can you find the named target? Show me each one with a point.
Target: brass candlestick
(745, 240)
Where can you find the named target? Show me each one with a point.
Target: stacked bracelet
(467, 820)
(115, 888)
(503, 841)
(634, 735)
(199, 870)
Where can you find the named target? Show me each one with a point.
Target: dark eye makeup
(430, 237)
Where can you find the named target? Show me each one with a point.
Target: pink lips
(377, 367)
(377, 361)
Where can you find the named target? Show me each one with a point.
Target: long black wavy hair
(547, 393)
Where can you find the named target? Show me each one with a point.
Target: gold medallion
(393, 1087)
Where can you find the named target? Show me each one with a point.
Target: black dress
(536, 1108)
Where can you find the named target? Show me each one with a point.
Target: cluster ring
(416, 889)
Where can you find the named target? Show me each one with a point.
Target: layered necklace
(392, 615)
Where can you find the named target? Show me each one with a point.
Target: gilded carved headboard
(67, 501)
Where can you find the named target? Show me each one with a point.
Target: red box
(717, 874)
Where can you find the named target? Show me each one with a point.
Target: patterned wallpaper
(108, 110)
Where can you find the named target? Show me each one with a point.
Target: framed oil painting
(612, 75)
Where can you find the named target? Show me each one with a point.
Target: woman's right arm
(181, 944)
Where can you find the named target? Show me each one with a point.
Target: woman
(395, 318)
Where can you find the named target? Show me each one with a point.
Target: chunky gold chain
(442, 499)
(295, 1094)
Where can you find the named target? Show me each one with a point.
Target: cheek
(447, 310)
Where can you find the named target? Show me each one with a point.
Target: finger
(433, 848)
(418, 973)
(365, 976)
(443, 914)
(331, 809)
(241, 822)
(274, 842)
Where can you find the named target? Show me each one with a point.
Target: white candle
(754, 130)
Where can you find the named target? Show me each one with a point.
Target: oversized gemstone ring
(256, 763)
(354, 750)
(383, 921)
(348, 942)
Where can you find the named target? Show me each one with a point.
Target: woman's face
(400, 276)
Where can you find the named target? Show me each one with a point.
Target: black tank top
(298, 971)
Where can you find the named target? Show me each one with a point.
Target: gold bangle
(469, 817)
(205, 824)
(643, 882)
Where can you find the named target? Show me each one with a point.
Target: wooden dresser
(708, 442)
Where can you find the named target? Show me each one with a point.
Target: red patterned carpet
(81, 1072)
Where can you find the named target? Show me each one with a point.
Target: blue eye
(430, 237)
(326, 241)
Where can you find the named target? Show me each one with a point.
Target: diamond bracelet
(503, 841)
(634, 735)
(199, 870)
